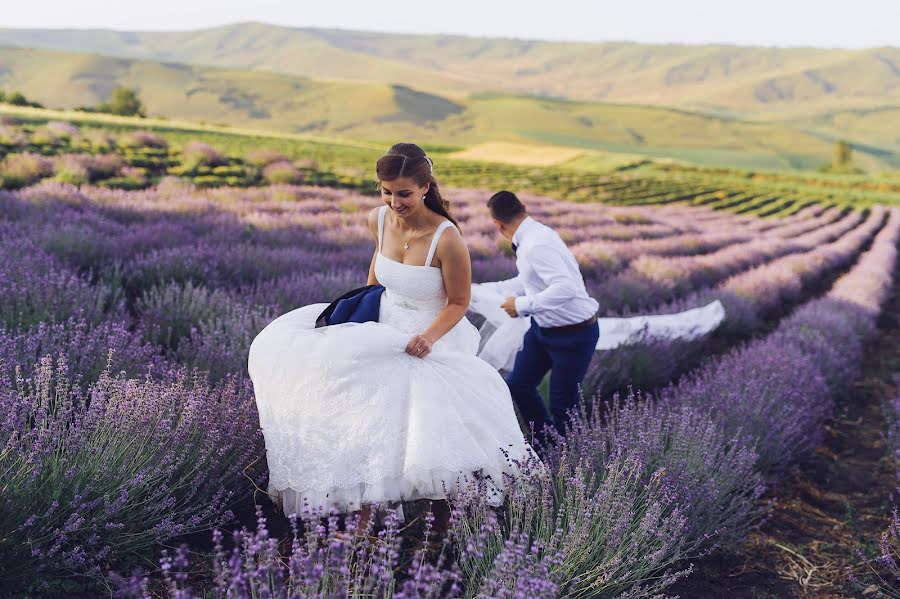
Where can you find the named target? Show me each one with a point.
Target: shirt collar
(523, 227)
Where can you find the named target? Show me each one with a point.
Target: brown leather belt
(571, 328)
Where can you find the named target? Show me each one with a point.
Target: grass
(517, 153)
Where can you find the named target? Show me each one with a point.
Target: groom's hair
(505, 206)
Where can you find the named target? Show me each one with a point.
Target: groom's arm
(549, 265)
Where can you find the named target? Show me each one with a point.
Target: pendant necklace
(406, 244)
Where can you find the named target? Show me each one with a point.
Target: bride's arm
(456, 268)
(373, 228)
(372, 280)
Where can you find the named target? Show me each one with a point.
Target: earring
(423, 197)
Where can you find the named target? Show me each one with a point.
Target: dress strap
(381, 212)
(434, 240)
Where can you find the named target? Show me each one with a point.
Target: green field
(582, 176)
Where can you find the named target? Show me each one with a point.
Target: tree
(841, 160)
(843, 154)
(124, 102)
(17, 99)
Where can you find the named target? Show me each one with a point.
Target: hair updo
(409, 160)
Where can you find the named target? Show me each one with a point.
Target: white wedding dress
(350, 418)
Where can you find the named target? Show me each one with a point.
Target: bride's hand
(419, 346)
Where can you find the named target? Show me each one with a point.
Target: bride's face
(403, 195)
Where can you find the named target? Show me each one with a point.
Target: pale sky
(820, 23)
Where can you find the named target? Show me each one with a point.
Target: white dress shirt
(549, 286)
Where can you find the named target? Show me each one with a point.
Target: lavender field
(131, 446)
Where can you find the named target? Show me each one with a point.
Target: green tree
(843, 154)
(17, 99)
(841, 160)
(124, 102)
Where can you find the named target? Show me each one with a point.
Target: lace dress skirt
(349, 418)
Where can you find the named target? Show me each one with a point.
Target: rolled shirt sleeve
(551, 268)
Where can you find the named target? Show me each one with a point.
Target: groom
(564, 331)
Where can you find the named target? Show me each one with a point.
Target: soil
(828, 508)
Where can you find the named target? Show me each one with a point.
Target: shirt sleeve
(549, 265)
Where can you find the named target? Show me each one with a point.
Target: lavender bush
(282, 172)
(19, 170)
(708, 467)
(606, 533)
(86, 348)
(319, 564)
(142, 139)
(97, 475)
(196, 154)
(35, 288)
(86, 168)
(264, 156)
(769, 391)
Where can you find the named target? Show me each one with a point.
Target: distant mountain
(757, 81)
(384, 112)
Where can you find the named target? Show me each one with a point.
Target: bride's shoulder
(451, 242)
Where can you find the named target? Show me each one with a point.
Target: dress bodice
(411, 286)
(414, 294)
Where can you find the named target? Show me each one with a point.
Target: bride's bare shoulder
(451, 247)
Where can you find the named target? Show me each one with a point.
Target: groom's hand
(419, 346)
(510, 306)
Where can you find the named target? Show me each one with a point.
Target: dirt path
(830, 504)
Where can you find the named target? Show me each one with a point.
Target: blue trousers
(568, 355)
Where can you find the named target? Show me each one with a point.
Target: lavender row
(779, 389)
(866, 293)
(612, 257)
(633, 493)
(650, 281)
(713, 440)
(749, 299)
(241, 239)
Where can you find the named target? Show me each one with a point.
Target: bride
(394, 410)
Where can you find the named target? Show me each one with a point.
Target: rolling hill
(385, 112)
(189, 92)
(728, 79)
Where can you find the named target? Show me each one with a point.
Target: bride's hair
(409, 160)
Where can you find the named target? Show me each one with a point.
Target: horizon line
(454, 34)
